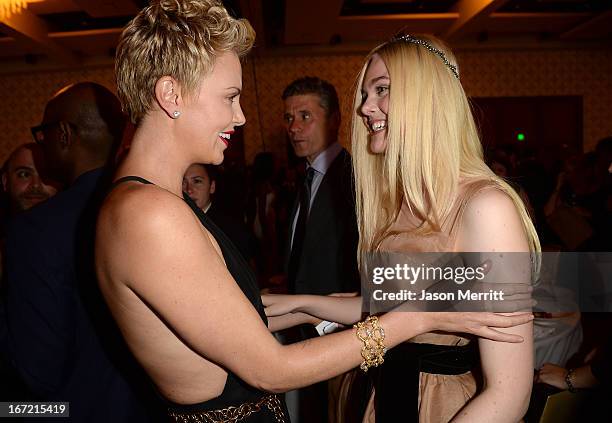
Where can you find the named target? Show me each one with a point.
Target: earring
(176, 114)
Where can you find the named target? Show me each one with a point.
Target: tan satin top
(440, 396)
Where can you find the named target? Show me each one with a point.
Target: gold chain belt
(232, 414)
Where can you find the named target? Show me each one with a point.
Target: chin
(299, 150)
(378, 145)
(218, 159)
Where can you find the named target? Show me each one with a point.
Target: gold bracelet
(569, 382)
(372, 336)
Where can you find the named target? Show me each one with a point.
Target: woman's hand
(282, 312)
(280, 304)
(481, 324)
(553, 375)
(342, 308)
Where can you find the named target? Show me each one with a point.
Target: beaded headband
(410, 39)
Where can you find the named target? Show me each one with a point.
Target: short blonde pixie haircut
(177, 38)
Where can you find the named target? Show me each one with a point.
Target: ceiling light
(12, 7)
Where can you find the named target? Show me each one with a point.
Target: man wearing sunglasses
(61, 338)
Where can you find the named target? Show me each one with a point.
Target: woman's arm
(492, 223)
(551, 374)
(344, 310)
(289, 320)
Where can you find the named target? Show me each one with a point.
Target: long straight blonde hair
(432, 140)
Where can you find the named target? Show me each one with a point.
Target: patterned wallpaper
(586, 73)
(27, 94)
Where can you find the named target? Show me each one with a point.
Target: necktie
(300, 229)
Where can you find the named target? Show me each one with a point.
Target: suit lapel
(323, 205)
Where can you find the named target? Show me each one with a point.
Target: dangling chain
(232, 414)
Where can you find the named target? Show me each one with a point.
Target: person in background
(59, 335)
(322, 250)
(200, 184)
(24, 180)
(24, 185)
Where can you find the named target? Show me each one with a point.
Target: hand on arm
(181, 276)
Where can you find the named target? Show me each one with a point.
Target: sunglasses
(38, 132)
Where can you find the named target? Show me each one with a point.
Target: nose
(368, 107)
(36, 181)
(239, 118)
(294, 127)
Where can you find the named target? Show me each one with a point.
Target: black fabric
(601, 366)
(60, 337)
(397, 379)
(236, 391)
(328, 261)
(236, 231)
(300, 228)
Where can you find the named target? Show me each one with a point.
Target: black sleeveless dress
(239, 402)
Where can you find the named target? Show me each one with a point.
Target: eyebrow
(234, 88)
(299, 111)
(18, 168)
(378, 78)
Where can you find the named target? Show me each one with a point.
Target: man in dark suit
(322, 256)
(57, 332)
(323, 236)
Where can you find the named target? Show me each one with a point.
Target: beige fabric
(440, 396)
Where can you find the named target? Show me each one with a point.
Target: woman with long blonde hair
(422, 186)
(184, 299)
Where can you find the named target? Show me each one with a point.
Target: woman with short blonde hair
(185, 300)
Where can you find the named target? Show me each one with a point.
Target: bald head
(93, 109)
(83, 123)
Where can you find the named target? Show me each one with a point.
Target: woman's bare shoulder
(490, 200)
(140, 204)
(140, 217)
(491, 222)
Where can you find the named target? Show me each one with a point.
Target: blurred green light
(520, 136)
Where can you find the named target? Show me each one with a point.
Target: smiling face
(309, 128)
(375, 102)
(212, 113)
(22, 181)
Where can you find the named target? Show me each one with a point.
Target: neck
(313, 157)
(155, 155)
(84, 165)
